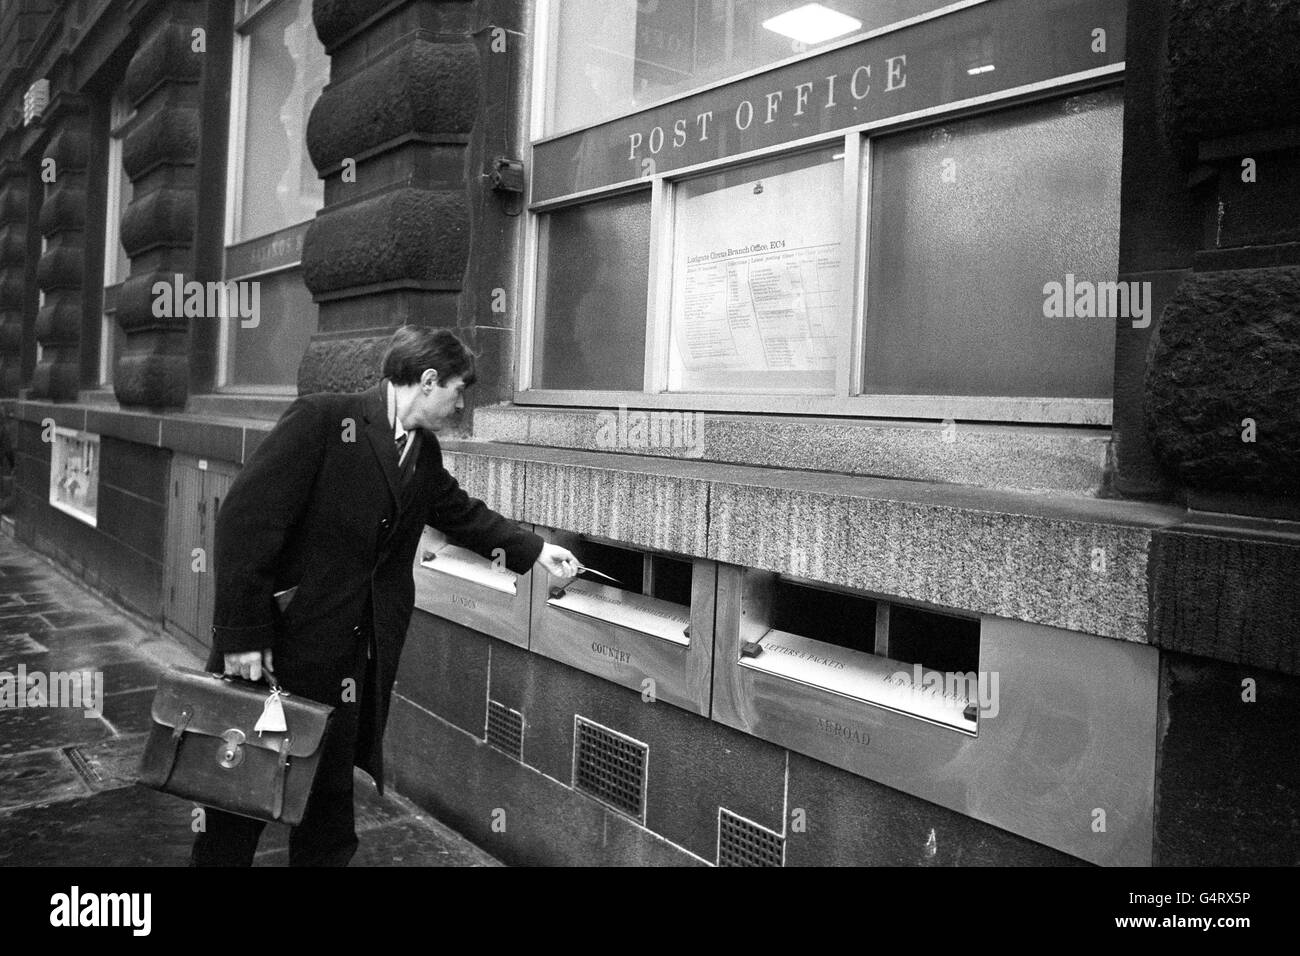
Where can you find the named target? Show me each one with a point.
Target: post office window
(862, 225)
(969, 219)
(591, 316)
(614, 56)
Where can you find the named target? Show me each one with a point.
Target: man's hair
(414, 348)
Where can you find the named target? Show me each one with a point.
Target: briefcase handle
(266, 672)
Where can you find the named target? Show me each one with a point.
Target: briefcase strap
(177, 732)
(277, 802)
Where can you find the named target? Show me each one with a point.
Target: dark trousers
(327, 834)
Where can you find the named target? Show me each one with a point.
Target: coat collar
(379, 432)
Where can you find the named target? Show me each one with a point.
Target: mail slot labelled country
(1047, 733)
(479, 592)
(638, 618)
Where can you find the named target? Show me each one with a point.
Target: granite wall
(526, 811)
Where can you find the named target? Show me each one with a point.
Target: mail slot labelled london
(1046, 733)
(463, 586)
(640, 619)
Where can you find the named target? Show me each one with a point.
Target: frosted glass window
(756, 277)
(591, 316)
(269, 353)
(117, 266)
(969, 221)
(287, 68)
(615, 56)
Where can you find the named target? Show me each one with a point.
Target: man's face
(437, 404)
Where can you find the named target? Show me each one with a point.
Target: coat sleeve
(263, 504)
(476, 526)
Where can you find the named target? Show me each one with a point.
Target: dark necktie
(407, 467)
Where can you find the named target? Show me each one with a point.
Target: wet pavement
(67, 780)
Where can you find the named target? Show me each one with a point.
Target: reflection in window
(593, 274)
(287, 68)
(116, 263)
(269, 352)
(969, 221)
(615, 56)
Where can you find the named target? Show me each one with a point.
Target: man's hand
(249, 664)
(558, 562)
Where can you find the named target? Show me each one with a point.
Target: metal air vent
(742, 842)
(505, 729)
(610, 766)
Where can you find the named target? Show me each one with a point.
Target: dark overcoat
(320, 507)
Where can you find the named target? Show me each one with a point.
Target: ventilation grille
(743, 843)
(610, 767)
(505, 729)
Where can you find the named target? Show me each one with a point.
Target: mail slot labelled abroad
(649, 629)
(1043, 732)
(462, 586)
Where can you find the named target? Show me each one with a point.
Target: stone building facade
(1124, 553)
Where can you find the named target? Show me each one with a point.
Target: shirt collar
(398, 430)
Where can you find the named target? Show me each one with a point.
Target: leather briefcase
(204, 746)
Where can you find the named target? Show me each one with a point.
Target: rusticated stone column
(61, 271)
(160, 155)
(13, 255)
(388, 135)
(1222, 390)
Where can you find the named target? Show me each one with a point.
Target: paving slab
(68, 795)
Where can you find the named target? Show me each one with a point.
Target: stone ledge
(229, 438)
(1225, 587)
(498, 481)
(1010, 554)
(1022, 458)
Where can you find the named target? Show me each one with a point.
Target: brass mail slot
(462, 586)
(904, 659)
(651, 629)
(1046, 733)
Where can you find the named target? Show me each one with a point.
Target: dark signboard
(976, 51)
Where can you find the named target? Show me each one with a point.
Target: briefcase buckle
(230, 752)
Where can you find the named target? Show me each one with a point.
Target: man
(327, 515)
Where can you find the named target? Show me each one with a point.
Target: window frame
(121, 118)
(247, 13)
(848, 400)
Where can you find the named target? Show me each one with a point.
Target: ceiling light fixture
(812, 23)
